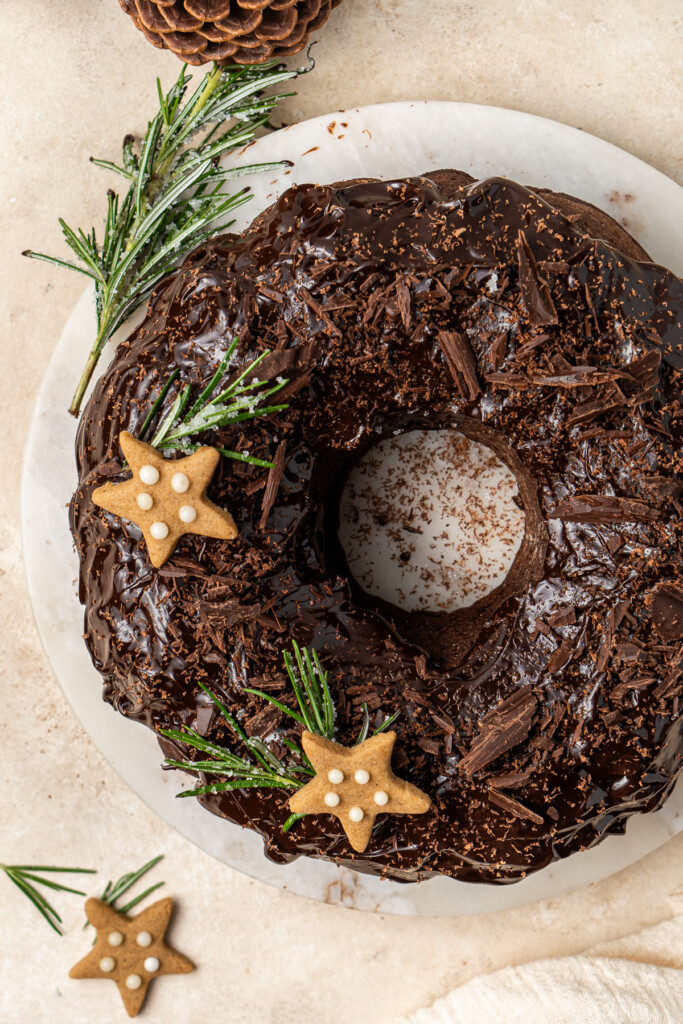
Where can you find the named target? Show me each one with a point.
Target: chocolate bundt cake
(543, 716)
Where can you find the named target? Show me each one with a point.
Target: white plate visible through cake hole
(428, 521)
(372, 142)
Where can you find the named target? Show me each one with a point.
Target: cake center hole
(429, 521)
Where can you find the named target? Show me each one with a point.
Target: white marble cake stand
(384, 141)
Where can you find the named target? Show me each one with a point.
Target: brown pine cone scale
(239, 31)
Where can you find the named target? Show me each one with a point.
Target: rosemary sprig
(265, 771)
(241, 400)
(113, 891)
(174, 198)
(316, 713)
(25, 875)
(308, 680)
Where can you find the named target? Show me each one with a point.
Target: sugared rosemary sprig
(241, 400)
(25, 875)
(113, 891)
(316, 713)
(174, 199)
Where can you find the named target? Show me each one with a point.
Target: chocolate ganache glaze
(542, 717)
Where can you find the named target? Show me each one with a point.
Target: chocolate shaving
(666, 608)
(403, 300)
(430, 746)
(512, 780)
(670, 685)
(318, 310)
(554, 266)
(645, 366)
(508, 724)
(580, 376)
(563, 617)
(497, 350)
(560, 657)
(461, 362)
(510, 380)
(599, 508)
(272, 485)
(255, 485)
(227, 614)
(513, 807)
(535, 291)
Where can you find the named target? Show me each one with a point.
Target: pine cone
(240, 31)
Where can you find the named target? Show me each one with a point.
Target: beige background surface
(76, 76)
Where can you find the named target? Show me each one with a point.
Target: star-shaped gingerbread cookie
(130, 951)
(355, 784)
(166, 498)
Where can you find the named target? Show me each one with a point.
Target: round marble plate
(384, 141)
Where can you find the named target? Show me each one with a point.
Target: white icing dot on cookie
(332, 799)
(335, 775)
(187, 513)
(149, 475)
(381, 797)
(145, 501)
(115, 938)
(362, 776)
(180, 483)
(133, 981)
(356, 814)
(143, 939)
(107, 964)
(159, 531)
(152, 964)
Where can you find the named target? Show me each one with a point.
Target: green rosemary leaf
(138, 899)
(249, 459)
(277, 704)
(157, 404)
(192, 739)
(386, 724)
(245, 783)
(59, 263)
(365, 726)
(108, 165)
(34, 867)
(265, 756)
(291, 820)
(234, 725)
(171, 417)
(306, 765)
(29, 876)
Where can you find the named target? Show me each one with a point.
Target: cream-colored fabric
(635, 980)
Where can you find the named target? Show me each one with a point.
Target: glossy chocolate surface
(538, 721)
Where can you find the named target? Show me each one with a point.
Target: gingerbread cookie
(166, 498)
(355, 784)
(130, 951)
